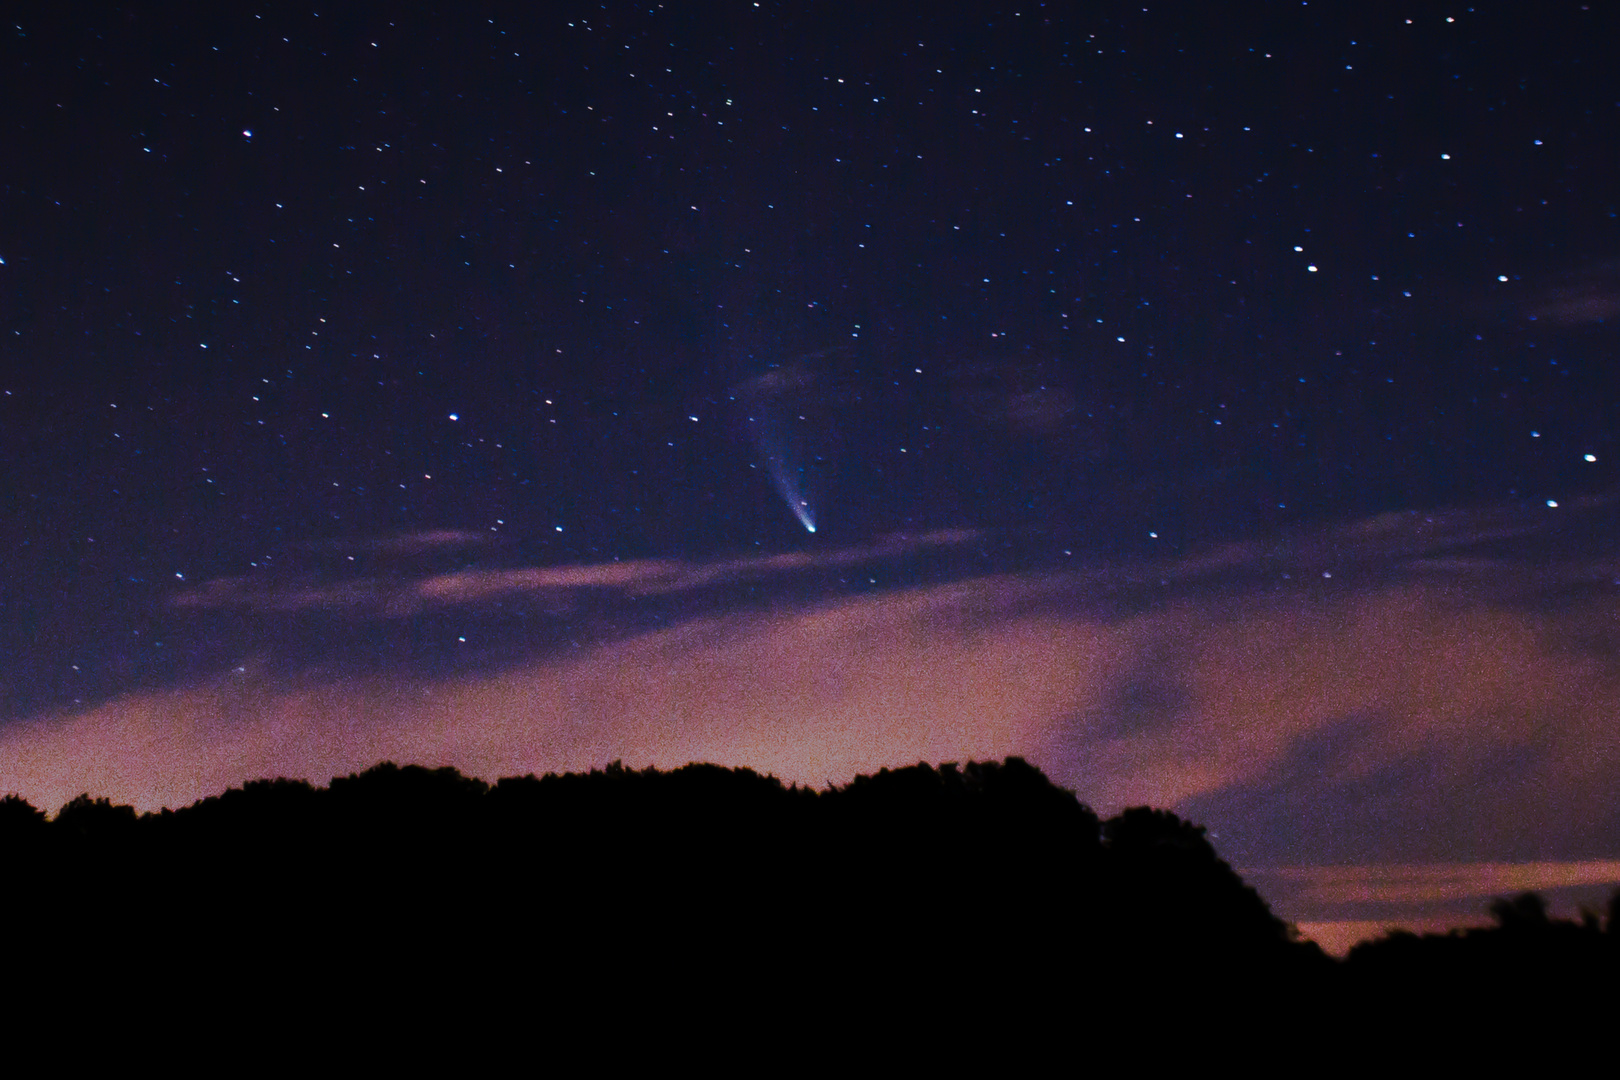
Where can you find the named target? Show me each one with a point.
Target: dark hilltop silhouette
(935, 901)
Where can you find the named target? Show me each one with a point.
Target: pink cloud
(1203, 699)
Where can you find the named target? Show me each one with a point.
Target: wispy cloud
(1435, 703)
(1590, 296)
(1405, 884)
(1375, 899)
(411, 543)
(403, 594)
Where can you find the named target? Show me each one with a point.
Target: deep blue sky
(1099, 286)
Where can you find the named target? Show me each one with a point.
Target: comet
(774, 405)
(787, 485)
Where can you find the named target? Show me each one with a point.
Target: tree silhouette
(95, 821)
(934, 898)
(1525, 913)
(18, 819)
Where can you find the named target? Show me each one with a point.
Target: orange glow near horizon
(970, 670)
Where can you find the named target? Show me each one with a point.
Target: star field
(325, 300)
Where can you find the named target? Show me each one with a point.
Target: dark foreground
(643, 910)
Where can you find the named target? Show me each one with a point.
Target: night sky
(1212, 403)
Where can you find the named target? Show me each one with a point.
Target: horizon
(1497, 882)
(1160, 683)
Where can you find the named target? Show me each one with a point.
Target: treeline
(984, 890)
